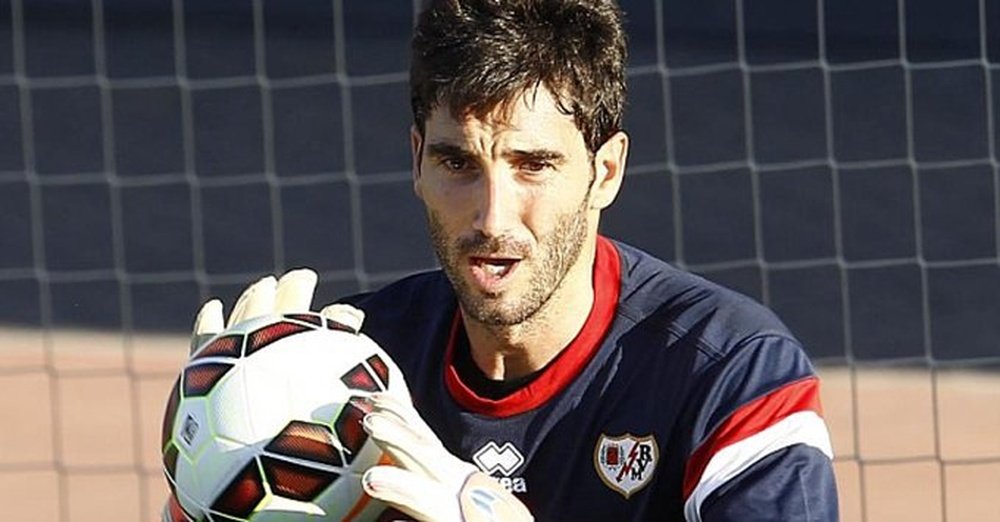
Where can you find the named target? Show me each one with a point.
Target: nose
(499, 205)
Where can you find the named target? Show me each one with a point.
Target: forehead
(532, 117)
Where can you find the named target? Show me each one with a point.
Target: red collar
(567, 365)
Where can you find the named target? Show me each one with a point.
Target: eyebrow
(455, 151)
(548, 155)
(439, 150)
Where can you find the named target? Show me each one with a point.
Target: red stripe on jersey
(567, 365)
(752, 418)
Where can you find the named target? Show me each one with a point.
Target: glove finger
(403, 410)
(207, 323)
(395, 438)
(397, 428)
(256, 300)
(209, 318)
(294, 292)
(345, 314)
(414, 452)
(415, 495)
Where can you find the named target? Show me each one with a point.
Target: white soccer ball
(264, 423)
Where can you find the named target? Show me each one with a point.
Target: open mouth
(490, 271)
(498, 267)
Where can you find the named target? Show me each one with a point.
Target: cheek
(542, 215)
(557, 201)
(446, 204)
(429, 192)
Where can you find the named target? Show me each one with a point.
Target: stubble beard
(557, 252)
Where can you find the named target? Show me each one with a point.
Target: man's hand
(292, 293)
(427, 482)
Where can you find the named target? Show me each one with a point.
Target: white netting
(675, 159)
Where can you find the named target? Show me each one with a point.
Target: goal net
(837, 161)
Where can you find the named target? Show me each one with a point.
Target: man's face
(508, 203)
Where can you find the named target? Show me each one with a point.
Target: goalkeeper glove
(292, 293)
(427, 482)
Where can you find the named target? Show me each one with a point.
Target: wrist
(483, 499)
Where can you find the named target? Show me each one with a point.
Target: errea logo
(492, 458)
(503, 460)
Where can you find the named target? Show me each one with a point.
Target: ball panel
(230, 410)
(297, 378)
(201, 378)
(176, 511)
(359, 378)
(293, 481)
(348, 501)
(263, 337)
(192, 430)
(203, 477)
(348, 427)
(186, 490)
(268, 396)
(170, 413)
(312, 319)
(380, 368)
(170, 456)
(225, 346)
(243, 494)
(276, 508)
(339, 326)
(307, 441)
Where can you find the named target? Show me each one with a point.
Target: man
(590, 380)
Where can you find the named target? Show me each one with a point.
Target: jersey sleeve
(761, 449)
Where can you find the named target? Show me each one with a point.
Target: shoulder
(731, 382)
(655, 294)
(749, 395)
(725, 349)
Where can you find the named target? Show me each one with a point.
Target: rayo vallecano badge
(626, 463)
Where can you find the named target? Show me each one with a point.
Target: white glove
(427, 482)
(292, 293)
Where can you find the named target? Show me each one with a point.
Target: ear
(416, 153)
(609, 160)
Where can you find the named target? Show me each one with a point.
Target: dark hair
(474, 56)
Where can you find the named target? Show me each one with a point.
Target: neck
(509, 352)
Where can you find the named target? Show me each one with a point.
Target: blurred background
(838, 161)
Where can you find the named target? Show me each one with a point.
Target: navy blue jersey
(678, 400)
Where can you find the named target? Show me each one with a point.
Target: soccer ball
(264, 423)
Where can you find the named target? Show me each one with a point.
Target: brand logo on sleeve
(625, 463)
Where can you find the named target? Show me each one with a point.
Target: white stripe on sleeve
(804, 427)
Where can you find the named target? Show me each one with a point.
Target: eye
(455, 164)
(535, 166)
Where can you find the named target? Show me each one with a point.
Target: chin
(497, 311)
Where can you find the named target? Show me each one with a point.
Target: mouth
(491, 272)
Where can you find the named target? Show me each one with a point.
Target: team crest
(625, 463)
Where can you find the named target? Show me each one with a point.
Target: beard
(557, 252)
